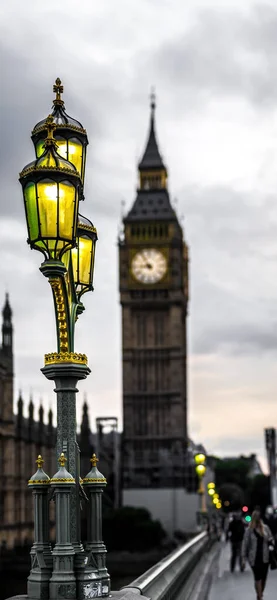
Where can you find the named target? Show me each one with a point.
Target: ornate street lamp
(52, 190)
(200, 469)
(70, 134)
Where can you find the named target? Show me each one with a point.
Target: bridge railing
(164, 580)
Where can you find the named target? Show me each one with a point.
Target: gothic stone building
(153, 262)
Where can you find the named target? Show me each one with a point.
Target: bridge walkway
(237, 585)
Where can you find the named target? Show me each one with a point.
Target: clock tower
(153, 263)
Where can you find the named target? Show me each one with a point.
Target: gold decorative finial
(39, 461)
(94, 460)
(62, 459)
(51, 126)
(58, 90)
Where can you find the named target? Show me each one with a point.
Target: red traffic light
(245, 509)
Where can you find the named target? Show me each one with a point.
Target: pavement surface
(237, 585)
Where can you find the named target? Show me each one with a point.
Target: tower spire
(152, 170)
(7, 328)
(152, 105)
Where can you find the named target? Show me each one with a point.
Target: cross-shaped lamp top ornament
(51, 126)
(62, 459)
(39, 461)
(58, 90)
(94, 460)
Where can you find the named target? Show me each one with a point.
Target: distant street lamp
(200, 469)
(53, 187)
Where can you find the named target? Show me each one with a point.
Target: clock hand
(147, 264)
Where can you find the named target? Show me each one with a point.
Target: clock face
(149, 266)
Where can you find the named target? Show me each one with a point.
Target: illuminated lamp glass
(83, 256)
(200, 458)
(200, 470)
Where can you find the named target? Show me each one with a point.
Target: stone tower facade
(153, 263)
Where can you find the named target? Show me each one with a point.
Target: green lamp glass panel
(66, 259)
(40, 148)
(31, 210)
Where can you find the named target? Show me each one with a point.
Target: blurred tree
(258, 492)
(131, 529)
(232, 493)
(233, 470)
(236, 485)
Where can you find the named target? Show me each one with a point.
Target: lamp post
(53, 187)
(200, 469)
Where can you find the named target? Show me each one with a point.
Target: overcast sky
(214, 67)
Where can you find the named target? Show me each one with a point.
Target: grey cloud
(241, 223)
(225, 53)
(243, 339)
(232, 271)
(233, 299)
(234, 445)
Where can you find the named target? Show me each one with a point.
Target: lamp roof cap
(61, 118)
(50, 159)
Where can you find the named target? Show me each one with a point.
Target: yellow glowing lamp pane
(200, 470)
(218, 505)
(210, 486)
(47, 206)
(215, 500)
(75, 151)
(211, 491)
(82, 261)
(85, 249)
(40, 148)
(67, 202)
(31, 209)
(216, 496)
(200, 458)
(62, 147)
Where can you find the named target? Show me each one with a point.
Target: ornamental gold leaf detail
(56, 358)
(49, 168)
(62, 480)
(57, 288)
(94, 480)
(38, 481)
